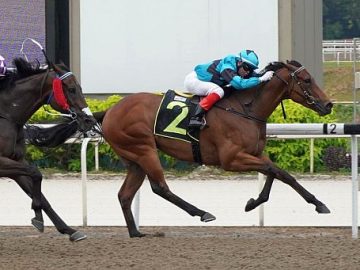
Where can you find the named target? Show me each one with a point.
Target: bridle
(58, 95)
(295, 80)
(57, 92)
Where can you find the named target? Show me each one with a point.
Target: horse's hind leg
(26, 185)
(132, 183)
(12, 169)
(151, 165)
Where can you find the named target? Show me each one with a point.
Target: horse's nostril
(329, 105)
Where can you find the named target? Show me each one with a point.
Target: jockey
(208, 80)
(2, 66)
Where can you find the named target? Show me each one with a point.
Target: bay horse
(233, 140)
(22, 93)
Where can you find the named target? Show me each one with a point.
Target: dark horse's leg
(12, 169)
(26, 185)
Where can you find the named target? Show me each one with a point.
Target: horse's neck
(26, 97)
(262, 100)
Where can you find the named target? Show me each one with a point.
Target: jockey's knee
(219, 91)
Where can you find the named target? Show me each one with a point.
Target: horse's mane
(23, 69)
(274, 66)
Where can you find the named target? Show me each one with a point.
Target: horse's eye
(72, 90)
(308, 81)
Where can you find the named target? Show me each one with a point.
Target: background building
(122, 46)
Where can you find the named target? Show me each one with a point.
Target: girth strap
(195, 145)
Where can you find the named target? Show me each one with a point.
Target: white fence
(283, 131)
(339, 50)
(301, 131)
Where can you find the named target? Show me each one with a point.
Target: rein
(247, 116)
(281, 102)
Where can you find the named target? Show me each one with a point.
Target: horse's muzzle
(324, 109)
(86, 122)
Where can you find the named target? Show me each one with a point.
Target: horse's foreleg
(263, 196)
(308, 197)
(26, 185)
(247, 162)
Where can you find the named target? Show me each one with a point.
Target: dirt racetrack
(182, 248)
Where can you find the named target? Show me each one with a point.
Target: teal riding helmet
(249, 57)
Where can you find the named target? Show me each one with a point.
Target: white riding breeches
(195, 86)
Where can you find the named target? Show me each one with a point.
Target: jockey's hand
(267, 76)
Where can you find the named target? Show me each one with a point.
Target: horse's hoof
(77, 236)
(138, 234)
(39, 225)
(207, 217)
(250, 205)
(322, 209)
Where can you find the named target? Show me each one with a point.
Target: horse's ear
(63, 65)
(288, 62)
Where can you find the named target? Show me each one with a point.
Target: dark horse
(22, 93)
(234, 139)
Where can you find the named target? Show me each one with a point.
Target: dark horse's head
(73, 94)
(59, 88)
(301, 86)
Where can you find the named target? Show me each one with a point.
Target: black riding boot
(197, 119)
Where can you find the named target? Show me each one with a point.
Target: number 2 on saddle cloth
(173, 117)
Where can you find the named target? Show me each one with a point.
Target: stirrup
(196, 123)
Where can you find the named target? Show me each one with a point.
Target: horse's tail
(50, 136)
(57, 134)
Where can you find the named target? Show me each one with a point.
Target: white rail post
(354, 154)
(136, 209)
(84, 179)
(354, 178)
(97, 156)
(261, 206)
(312, 155)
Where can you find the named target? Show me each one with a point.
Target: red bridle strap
(59, 92)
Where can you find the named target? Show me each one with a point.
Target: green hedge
(292, 155)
